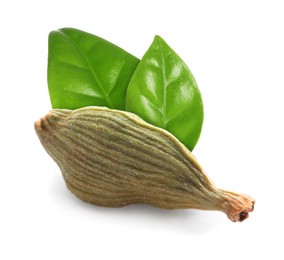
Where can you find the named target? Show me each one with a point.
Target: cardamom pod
(113, 158)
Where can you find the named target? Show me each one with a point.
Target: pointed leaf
(85, 70)
(164, 93)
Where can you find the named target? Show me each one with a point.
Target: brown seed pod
(113, 158)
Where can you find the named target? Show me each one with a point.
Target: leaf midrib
(95, 76)
(164, 101)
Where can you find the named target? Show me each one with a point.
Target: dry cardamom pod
(113, 158)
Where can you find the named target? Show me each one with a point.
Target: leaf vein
(94, 74)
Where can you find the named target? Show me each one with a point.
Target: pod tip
(237, 206)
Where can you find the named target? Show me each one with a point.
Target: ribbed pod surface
(113, 158)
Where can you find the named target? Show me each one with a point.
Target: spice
(113, 158)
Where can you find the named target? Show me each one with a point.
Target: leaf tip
(158, 38)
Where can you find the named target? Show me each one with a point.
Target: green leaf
(85, 70)
(164, 93)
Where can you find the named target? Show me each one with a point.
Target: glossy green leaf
(85, 70)
(164, 93)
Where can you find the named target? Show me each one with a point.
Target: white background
(235, 49)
